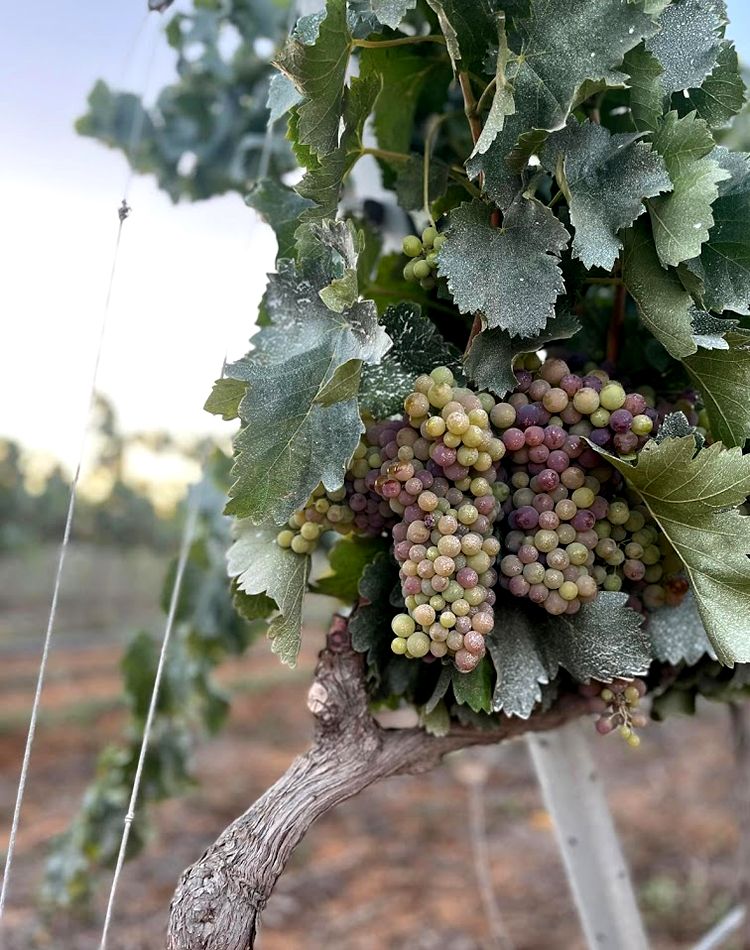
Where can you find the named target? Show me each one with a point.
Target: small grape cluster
(571, 533)
(440, 482)
(353, 508)
(423, 253)
(622, 711)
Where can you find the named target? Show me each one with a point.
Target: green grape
(412, 246)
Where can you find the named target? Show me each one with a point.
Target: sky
(189, 277)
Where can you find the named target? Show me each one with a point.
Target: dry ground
(391, 869)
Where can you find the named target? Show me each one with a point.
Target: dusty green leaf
(602, 641)
(300, 417)
(677, 634)
(681, 220)
(282, 96)
(417, 348)
(664, 306)
(511, 274)
(437, 722)
(605, 179)
(260, 566)
(469, 29)
(688, 42)
(710, 332)
(556, 49)
(724, 263)
(503, 103)
(646, 95)
(489, 362)
(391, 12)
(281, 208)
(322, 183)
(409, 185)
(723, 377)
(695, 499)
(721, 95)
(317, 64)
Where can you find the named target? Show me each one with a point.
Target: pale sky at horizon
(189, 276)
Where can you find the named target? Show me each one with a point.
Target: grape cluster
(423, 254)
(440, 482)
(355, 507)
(621, 700)
(571, 531)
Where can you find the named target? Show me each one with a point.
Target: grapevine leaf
(688, 43)
(436, 722)
(410, 181)
(262, 567)
(322, 183)
(468, 29)
(674, 426)
(519, 664)
(347, 561)
(252, 607)
(722, 94)
(225, 398)
(316, 64)
(474, 689)
(489, 362)
(441, 688)
(300, 416)
(724, 262)
(695, 498)
(646, 95)
(710, 332)
(391, 12)
(664, 306)
(282, 96)
(602, 641)
(682, 219)
(605, 179)
(417, 348)
(557, 49)
(677, 634)
(370, 627)
(510, 273)
(281, 208)
(723, 377)
(503, 103)
(404, 73)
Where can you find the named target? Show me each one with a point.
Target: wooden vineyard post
(594, 863)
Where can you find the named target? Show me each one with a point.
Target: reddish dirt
(391, 869)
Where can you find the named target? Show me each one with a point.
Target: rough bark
(219, 899)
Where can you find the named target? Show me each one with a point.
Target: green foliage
(605, 179)
(347, 560)
(695, 499)
(510, 273)
(603, 642)
(307, 364)
(205, 133)
(417, 348)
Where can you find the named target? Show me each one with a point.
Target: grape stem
(616, 323)
(401, 41)
(219, 899)
(470, 106)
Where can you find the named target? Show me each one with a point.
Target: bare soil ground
(389, 870)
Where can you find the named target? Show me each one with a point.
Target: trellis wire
(135, 133)
(187, 540)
